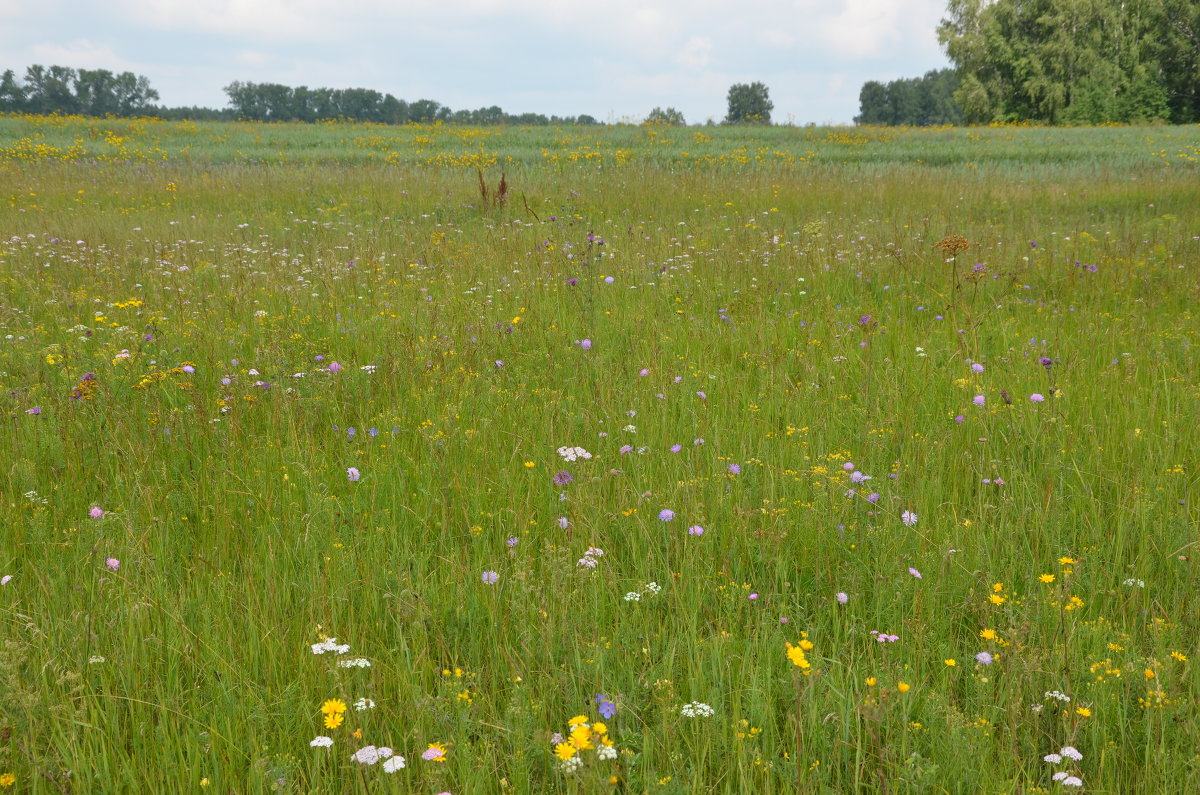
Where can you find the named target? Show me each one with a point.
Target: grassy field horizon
(694, 460)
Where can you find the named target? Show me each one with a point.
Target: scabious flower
(353, 474)
(983, 658)
(842, 597)
(914, 572)
(96, 512)
(695, 530)
(735, 469)
(909, 518)
(112, 563)
(976, 368)
(666, 514)
(334, 367)
(1037, 398)
(562, 478)
(979, 400)
(434, 753)
(490, 578)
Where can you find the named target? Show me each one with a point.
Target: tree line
(1053, 62)
(99, 92)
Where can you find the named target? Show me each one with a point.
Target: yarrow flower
(393, 763)
(696, 709)
(321, 742)
(369, 755)
(330, 645)
(573, 453)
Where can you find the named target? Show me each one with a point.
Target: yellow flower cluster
(797, 654)
(334, 711)
(583, 736)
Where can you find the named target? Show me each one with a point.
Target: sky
(614, 60)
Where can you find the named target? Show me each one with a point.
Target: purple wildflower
(666, 514)
(112, 563)
(914, 572)
(842, 597)
(562, 478)
(96, 512)
(983, 658)
(695, 530)
(34, 411)
(334, 367)
(1037, 397)
(490, 577)
(735, 469)
(353, 474)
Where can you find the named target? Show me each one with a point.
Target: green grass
(242, 541)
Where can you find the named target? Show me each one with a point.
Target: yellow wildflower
(578, 719)
(333, 720)
(1047, 578)
(7, 780)
(564, 751)
(952, 662)
(903, 687)
(872, 681)
(333, 705)
(1084, 711)
(987, 634)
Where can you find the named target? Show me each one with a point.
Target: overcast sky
(614, 59)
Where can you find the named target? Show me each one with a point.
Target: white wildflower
(606, 752)
(364, 704)
(1134, 582)
(369, 755)
(652, 587)
(357, 662)
(1053, 759)
(1072, 781)
(321, 742)
(1070, 752)
(392, 764)
(633, 596)
(94, 659)
(696, 709)
(572, 764)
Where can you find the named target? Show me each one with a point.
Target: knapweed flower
(321, 742)
(490, 578)
(666, 515)
(96, 512)
(434, 753)
(352, 474)
(112, 564)
(909, 518)
(1037, 398)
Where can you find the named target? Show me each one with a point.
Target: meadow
(694, 460)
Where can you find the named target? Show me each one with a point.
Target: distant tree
(873, 104)
(668, 116)
(918, 101)
(749, 103)
(12, 93)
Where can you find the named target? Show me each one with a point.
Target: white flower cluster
(1062, 776)
(1134, 582)
(573, 453)
(364, 704)
(696, 709)
(1063, 697)
(330, 645)
(572, 764)
(591, 557)
(369, 755)
(651, 589)
(606, 752)
(633, 596)
(357, 662)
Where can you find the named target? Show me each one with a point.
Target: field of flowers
(642, 460)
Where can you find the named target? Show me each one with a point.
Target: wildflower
(563, 522)
(434, 753)
(330, 644)
(1071, 752)
(1065, 561)
(983, 658)
(842, 597)
(987, 634)
(959, 418)
(695, 530)
(797, 656)
(903, 687)
(333, 706)
(645, 371)
(858, 477)
(701, 395)
(666, 514)
(321, 742)
(1037, 398)
(735, 469)
(1046, 361)
(364, 704)
(512, 542)
(1072, 781)
(606, 708)
(357, 662)
(334, 367)
(753, 597)
(332, 721)
(606, 752)
(871, 681)
(696, 709)
(1046, 578)
(369, 754)
(976, 368)
(675, 448)
(34, 411)
(979, 400)
(96, 512)
(7, 780)
(562, 478)
(353, 474)
(393, 763)
(1084, 712)
(909, 518)
(914, 572)
(490, 577)
(112, 563)
(951, 662)
(564, 751)
(586, 344)
(1053, 759)
(633, 596)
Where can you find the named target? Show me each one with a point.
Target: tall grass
(791, 316)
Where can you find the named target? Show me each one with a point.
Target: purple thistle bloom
(490, 577)
(666, 514)
(1046, 362)
(572, 281)
(562, 478)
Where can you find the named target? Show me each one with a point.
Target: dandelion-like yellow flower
(599, 728)
(903, 687)
(872, 681)
(564, 751)
(951, 662)
(581, 737)
(1178, 655)
(333, 720)
(7, 780)
(1067, 561)
(529, 465)
(333, 706)
(1047, 578)
(1084, 712)
(797, 656)
(1149, 673)
(997, 599)
(987, 634)
(578, 719)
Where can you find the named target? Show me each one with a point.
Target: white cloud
(81, 54)
(696, 54)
